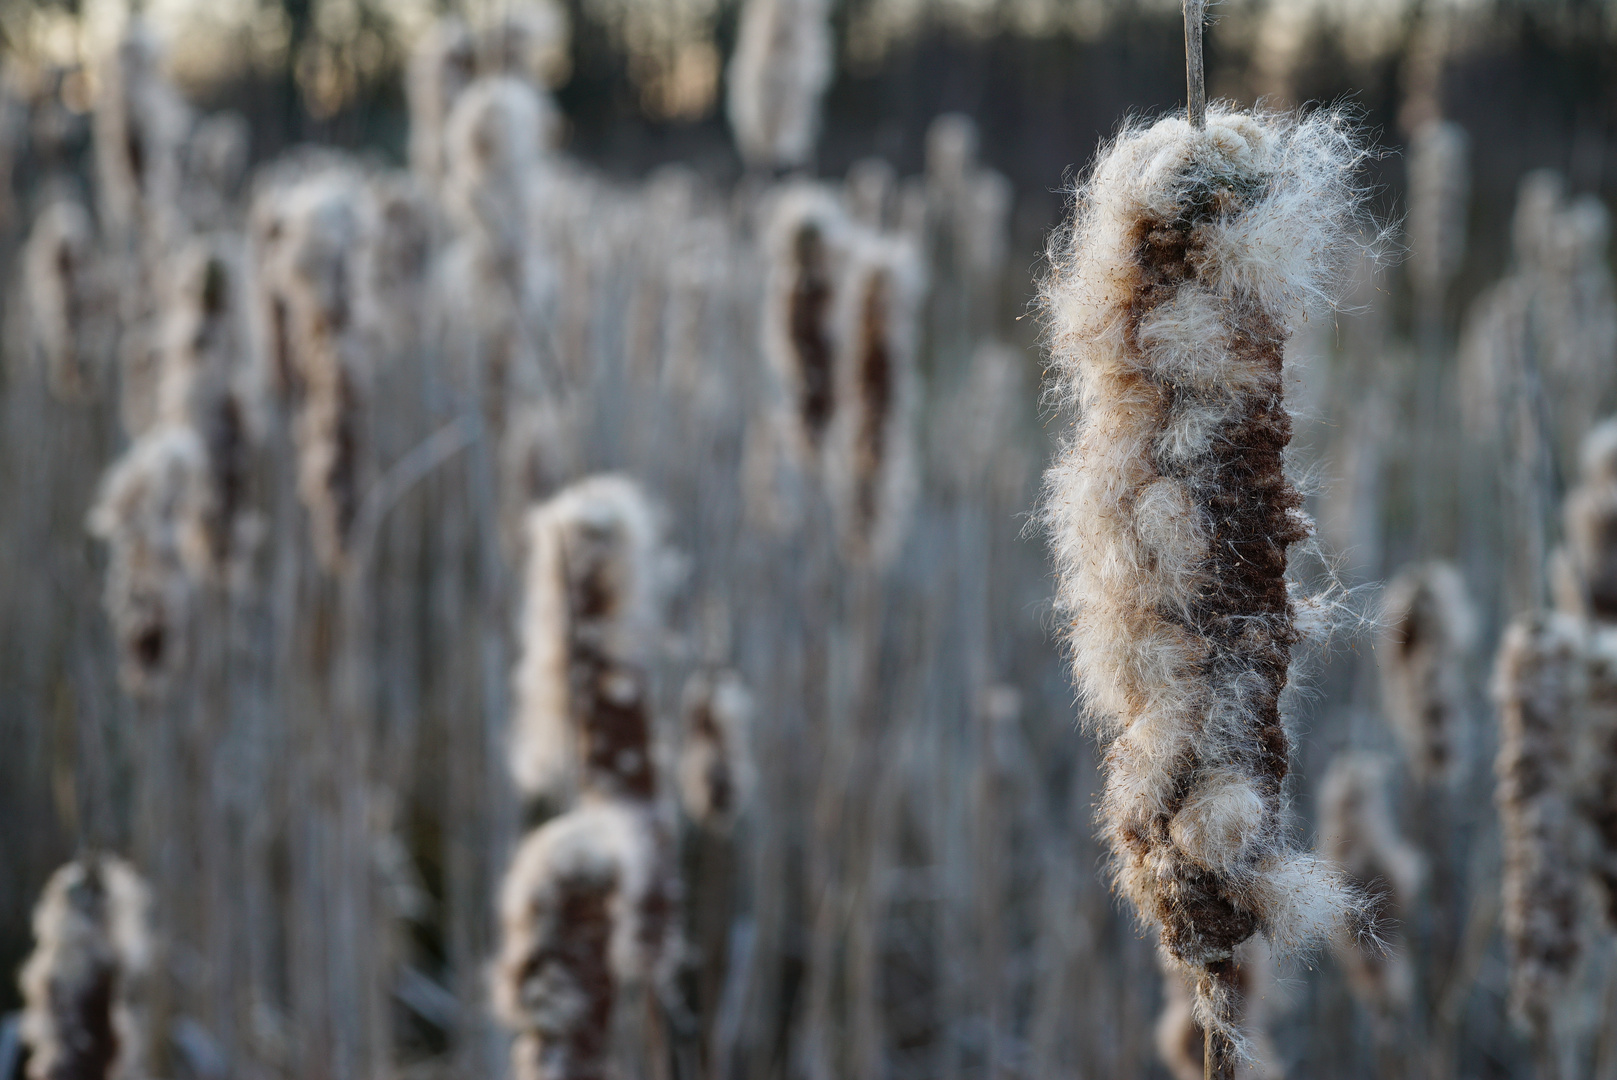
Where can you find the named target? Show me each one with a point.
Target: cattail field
(808, 540)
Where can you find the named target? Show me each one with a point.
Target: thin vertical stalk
(1195, 76)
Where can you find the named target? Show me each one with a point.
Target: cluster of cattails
(84, 984)
(1168, 305)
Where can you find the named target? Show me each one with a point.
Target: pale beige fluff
(148, 511)
(1585, 571)
(309, 233)
(83, 983)
(1439, 198)
(1539, 683)
(870, 467)
(780, 70)
(806, 235)
(140, 124)
(67, 300)
(589, 906)
(597, 542)
(1159, 376)
(1360, 834)
(716, 771)
(1428, 629)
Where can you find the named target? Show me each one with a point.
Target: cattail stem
(1219, 1055)
(1195, 77)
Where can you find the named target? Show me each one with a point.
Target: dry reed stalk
(588, 910)
(1168, 304)
(1359, 832)
(1439, 198)
(870, 464)
(1180, 1040)
(590, 619)
(781, 68)
(1539, 682)
(805, 245)
(1428, 630)
(147, 501)
(83, 984)
(66, 297)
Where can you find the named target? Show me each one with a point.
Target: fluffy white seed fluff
(806, 240)
(1429, 627)
(589, 906)
(870, 453)
(780, 70)
(82, 985)
(66, 298)
(1169, 300)
(591, 612)
(148, 510)
(1179, 1037)
(1539, 683)
(716, 772)
(1359, 832)
(1439, 198)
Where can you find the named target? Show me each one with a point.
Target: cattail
(870, 467)
(1181, 1042)
(1428, 630)
(140, 126)
(1539, 683)
(1359, 833)
(781, 67)
(82, 985)
(1598, 754)
(871, 193)
(149, 502)
(203, 387)
(396, 262)
(309, 233)
(968, 205)
(66, 295)
(588, 908)
(1168, 304)
(806, 237)
(716, 772)
(1585, 571)
(529, 40)
(591, 615)
(1439, 195)
(442, 64)
(216, 157)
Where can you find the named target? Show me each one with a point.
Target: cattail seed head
(140, 126)
(1168, 305)
(806, 238)
(590, 619)
(1539, 683)
(968, 205)
(1429, 627)
(588, 907)
(82, 984)
(495, 137)
(1585, 571)
(781, 67)
(870, 467)
(1359, 833)
(716, 772)
(67, 298)
(149, 505)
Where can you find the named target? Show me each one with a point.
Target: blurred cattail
(590, 620)
(1439, 198)
(82, 985)
(1598, 755)
(397, 259)
(968, 205)
(66, 298)
(716, 772)
(870, 466)
(806, 237)
(781, 67)
(871, 194)
(442, 64)
(1359, 832)
(1168, 303)
(1539, 682)
(309, 233)
(589, 908)
(1429, 628)
(148, 505)
(1181, 1042)
(529, 40)
(1585, 571)
(204, 387)
(216, 157)
(140, 125)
